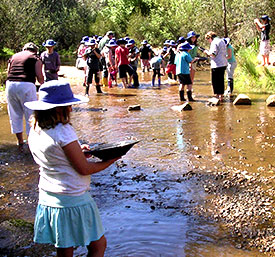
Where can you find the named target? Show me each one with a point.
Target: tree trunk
(224, 18)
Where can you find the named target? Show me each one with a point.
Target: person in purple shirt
(50, 60)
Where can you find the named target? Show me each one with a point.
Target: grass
(20, 223)
(249, 77)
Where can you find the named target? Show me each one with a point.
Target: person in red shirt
(122, 62)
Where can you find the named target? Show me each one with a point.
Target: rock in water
(134, 107)
(270, 101)
(183, 107)
(213, 101)
(242, 99)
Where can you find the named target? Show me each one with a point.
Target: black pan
(111, 151)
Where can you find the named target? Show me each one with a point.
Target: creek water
(143, 208)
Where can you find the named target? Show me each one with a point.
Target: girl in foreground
(66, 214)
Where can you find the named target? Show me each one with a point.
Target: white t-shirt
(218, 48)
(56, 173)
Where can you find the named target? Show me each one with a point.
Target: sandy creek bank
(233, 187)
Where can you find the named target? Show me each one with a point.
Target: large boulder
(270, 101)
(242, 99)
(182, 107)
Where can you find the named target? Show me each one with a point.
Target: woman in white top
(217, 53)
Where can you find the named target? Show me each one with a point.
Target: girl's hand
(84, 148)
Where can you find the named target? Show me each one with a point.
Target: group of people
(102, 58)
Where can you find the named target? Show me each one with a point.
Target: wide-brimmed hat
(167, 41)
(111, 43)
(226, 40)
(49, 43)
(192, 34)
(185, 46)
(131, 42)
(264, 17)
(84, 39)
(172, 43)
(181, 40)
(144, 42)
(90, 42)
(121, 41)
(55, 93)
(31, 47)
(109, 33)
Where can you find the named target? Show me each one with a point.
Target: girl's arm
(78, 160)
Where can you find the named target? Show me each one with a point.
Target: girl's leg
(124, 82)
(65, 252)
(97, 248)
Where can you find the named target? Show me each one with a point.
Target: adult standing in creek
(23, 70)
(217, 53)
(109, 35)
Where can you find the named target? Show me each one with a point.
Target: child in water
(50, 60)
(156, 63)
(66, 215)
(182, 61)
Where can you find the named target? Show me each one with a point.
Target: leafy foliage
(66, 21)
(249, 76)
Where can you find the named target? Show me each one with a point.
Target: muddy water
(144, 208)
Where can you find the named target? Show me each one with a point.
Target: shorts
(17, 94)
(265, 47)
(124, 69)
(80, 63)
(65, 221)
(171, 68)
(231, 66)
(185, 79)
(92, 72)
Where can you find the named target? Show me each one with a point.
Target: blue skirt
(67, 221)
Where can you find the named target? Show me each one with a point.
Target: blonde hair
(47, 119)
(210, 34)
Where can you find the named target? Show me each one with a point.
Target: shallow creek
(146, 207)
